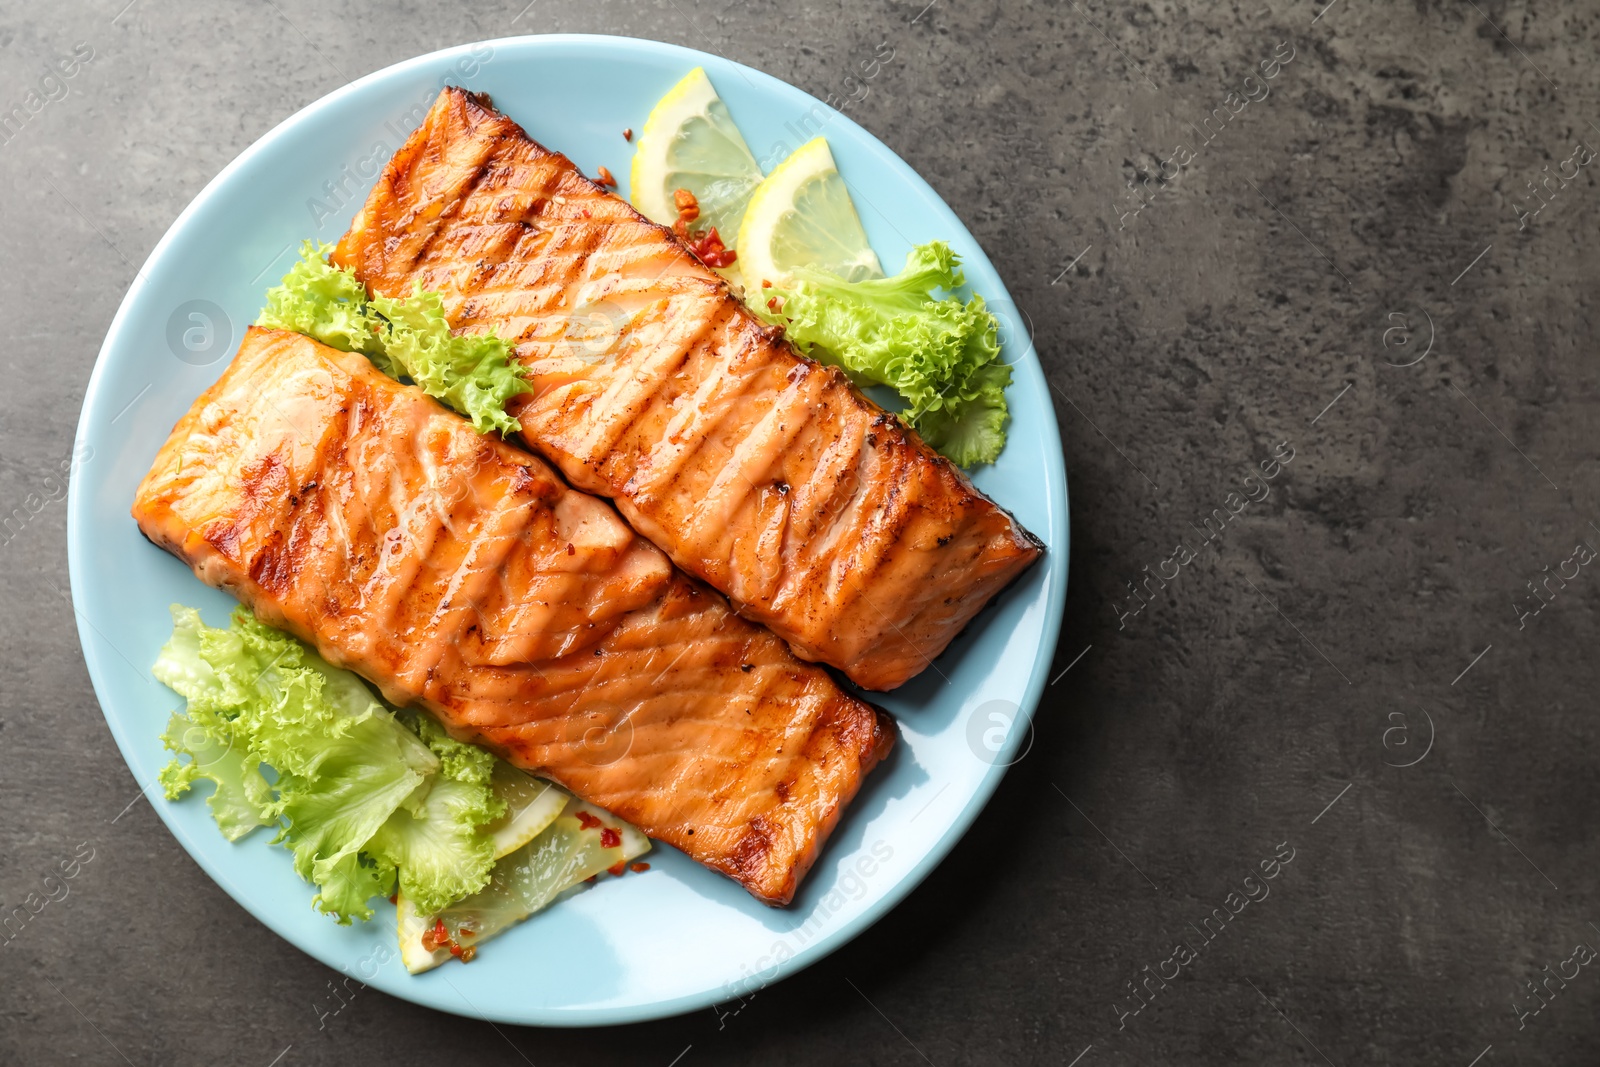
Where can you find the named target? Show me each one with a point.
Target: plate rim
(1056, 561)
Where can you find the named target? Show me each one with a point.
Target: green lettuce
(442, 851)
(408, 339)
(320, 300)
(363, 798)
(242, 797)
(941, 354)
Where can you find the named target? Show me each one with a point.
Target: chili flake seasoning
(610, 838)
(688, 210)
(438, 937)
(712, 252)
(587, 821)
(706, 244)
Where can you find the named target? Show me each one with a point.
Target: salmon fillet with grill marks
(459, 573)
(759, 471)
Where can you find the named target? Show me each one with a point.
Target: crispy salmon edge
(882, 746)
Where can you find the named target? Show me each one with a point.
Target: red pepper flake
(394, 898)
(436, 938)
(606, 178)
(570, 550)
(775, 305)
(616, 869)
(584, 212)
(587, 821)
(639, 868)
(688, 210)
(610, 838)
(708, 244)
(627, 134)
(712, 252)
(768, 285)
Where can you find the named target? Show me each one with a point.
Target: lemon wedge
(689, 142)
(561, 856)
(531, 805)
(802, 216)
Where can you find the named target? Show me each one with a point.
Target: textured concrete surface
(1341, 266)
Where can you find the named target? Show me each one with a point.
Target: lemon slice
(562, 856)
(690, 142)
(531, 805)
(802, 216)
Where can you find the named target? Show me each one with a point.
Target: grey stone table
(1347, 245)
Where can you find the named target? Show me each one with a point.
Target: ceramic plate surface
(677, 937)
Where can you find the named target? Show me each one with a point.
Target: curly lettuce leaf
(473, 373)
(360, 778)
(365, 798)
(320, 300)
(442, 850)
(441, 853)
(242, 798)
(347, 882)
(972, 430)
(409, 338)
(457, 759)
(345, 764)
(941, 354)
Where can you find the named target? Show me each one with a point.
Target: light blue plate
(678, 937)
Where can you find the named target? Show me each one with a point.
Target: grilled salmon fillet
(759, 471)
(459, 573)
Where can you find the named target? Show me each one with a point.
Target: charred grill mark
(643, 481)
(890, 522)
(223, 536)
(263, 481)
(273, 565)
(455, 207)
(750, 857)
